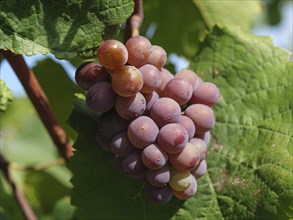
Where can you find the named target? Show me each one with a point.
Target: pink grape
(158, 56)
(154, 157)
(151, 78)
(206, 93)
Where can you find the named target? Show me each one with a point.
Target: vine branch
(134, 22)
(40, 102)
(20, 198)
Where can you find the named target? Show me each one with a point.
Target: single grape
(166, 77)
(188, 192)
(110, 124)
(130, 107)
(200, 170)
(178, 89)
(188, 124)
(154, 157)
(127, 81)
(187, 159)
(201, 146)
(138, 48)
(142, 132)
(101, 97)
(121, 146)
(112, 54)
(165, 111)
(172, 138)
(206, 137)
(159, 195)
(152, 78)
(206, 93)
(189, 76)
(103, 142)
(150, 99)
(132, 165)
(159, 177)
(89, 73)
(158, 56)
(179, 180)
(202, 117)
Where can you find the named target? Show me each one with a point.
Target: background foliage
(250, 158)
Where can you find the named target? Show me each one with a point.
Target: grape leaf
(65, 28)
(191, 19)
(5, 96)
(250, 159)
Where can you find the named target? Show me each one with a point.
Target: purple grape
(121, 145)
(206, 137)
(89, 73)
(202, 117)
(201, 146)
(130, 107)
(159, 177)
(103, 142)
(189, 76)
(138, 48)
(151, 78)
(154, 157)
(206, 93)
(187, 193)
(112, 54)
(101, 97)
(133, 165)
(178, 89)
(165, 111)
(166, 77)
(150, 99)
(172, 138)
(188, 124)
(200, 170)
(158, 56)
(159, 195)
(142, 132)
(117, 163)
(110, 124)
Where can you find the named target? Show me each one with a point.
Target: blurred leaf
(59, 90)
(273, 11)
(5, 96)
(250, 159)
(65, 28)
(178, 25)
(63, 209)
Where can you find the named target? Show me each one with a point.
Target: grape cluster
(157, 124)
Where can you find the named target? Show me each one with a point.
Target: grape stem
(134, 22)
(19, 196)
(40, 102)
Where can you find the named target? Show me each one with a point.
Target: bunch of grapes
(157, 124)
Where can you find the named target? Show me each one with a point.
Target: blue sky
(282, 36)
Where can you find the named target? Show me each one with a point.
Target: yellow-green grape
(179, 180)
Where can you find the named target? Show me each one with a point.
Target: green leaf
(59, 89)
(65, 28)
(180, 24)
(5, 96)
(250, 159)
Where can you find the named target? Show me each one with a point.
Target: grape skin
(189, 76)
(159, 177)
(130, 107)
(206, 137)
(103, 142)
(150, 99)
(101, 97)
(159, 195)
(89, 73)
(158, 56)
(202, 117)
(142, 132)
(188, 124)
(179, 180)
(201, 146)
(206, 93)
(138, 48)
(112, 54)
(187, 193)
(187, 159)
(133, 165)
(166, 77)
(165, 111)
(151, 78)
(121, 146)
(173, 138)
(200, 170)
(154, 157)
(127, 81)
